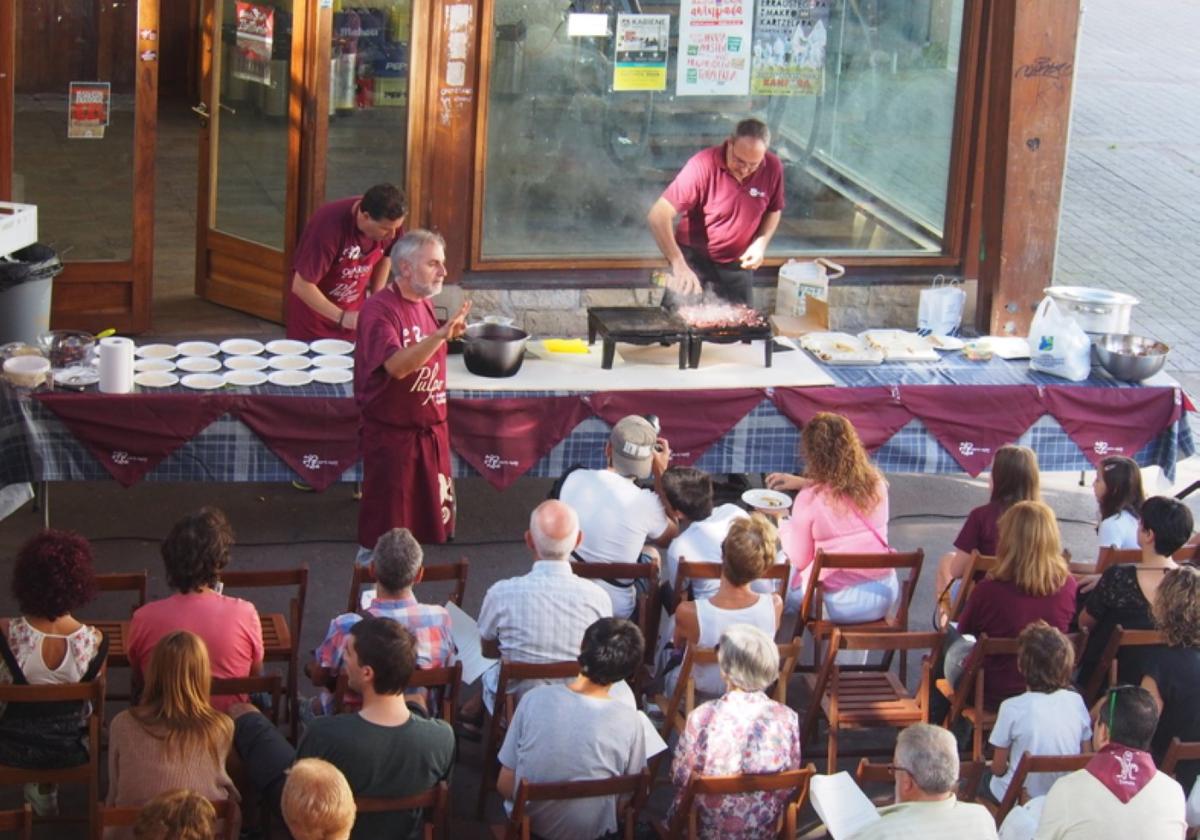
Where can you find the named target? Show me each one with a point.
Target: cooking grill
(644, 325)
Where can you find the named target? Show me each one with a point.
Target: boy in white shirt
(1048, 719)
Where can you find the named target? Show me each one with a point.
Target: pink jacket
(821, 520)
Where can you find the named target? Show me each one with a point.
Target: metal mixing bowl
(1131, 358)
(494, 349)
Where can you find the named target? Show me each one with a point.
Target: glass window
(572, 166)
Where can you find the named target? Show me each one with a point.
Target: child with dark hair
(1118, 489)
(1048, 719)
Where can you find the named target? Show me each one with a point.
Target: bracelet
(341, 317)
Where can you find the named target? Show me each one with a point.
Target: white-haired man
(400, 386)
(925, 768)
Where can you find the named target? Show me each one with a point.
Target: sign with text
(88, 108)
(255, 35)
(789, 47)
(714, 48)
(642, 42)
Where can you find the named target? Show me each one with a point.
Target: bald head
(553, 531)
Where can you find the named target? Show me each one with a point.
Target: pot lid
(1087, 294)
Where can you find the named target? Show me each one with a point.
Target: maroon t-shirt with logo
(335, 255)
(720, 215)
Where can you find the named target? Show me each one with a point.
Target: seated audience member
(1118, 489)
(1124, 592)
(396, 562)
(385, 749)
(617, 517)
(743, 731)
(746, 553)
(173, 738)
(45, 644)
(317, 801)
(1014, 478)
(540, 616)
(842, 506)
(702, 528)
(1030, 582)
(1120, 794)
(176, 815)
(195, 553)
(1048, 719)
(575, 732)
(926, 771)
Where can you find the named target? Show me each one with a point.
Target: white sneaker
(44, 804)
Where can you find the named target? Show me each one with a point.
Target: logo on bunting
(124, 459)
(494, 462)
(968, 449)
(314, 462)
(1103, 447)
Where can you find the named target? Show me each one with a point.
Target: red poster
(88, 105)
(255, 34)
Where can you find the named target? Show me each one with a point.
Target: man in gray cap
(618, 518)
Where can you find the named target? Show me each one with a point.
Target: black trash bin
(25, 278)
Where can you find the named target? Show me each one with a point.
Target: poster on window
(252, 46)
(789, 47)
(642, 42)
(714, 48)
(88, 108)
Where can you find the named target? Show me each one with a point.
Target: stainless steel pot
(494, 349)
(1095, 310)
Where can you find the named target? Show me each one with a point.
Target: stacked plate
(246, 362)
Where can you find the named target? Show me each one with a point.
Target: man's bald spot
(554, 527)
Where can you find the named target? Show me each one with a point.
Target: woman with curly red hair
(45, 644)
(842, 506)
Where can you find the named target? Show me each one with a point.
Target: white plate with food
(245, 378)
(838, 348)
(1005, 346)
(245, 362)
(203, 381)
(771, 501)
(333, 362)
(287, 347)
(289, 362)
(198, 364)
(945, 342)
(901, 345)
(242, 347)
(148, 365)
(290, 378)
(156, 351)
(198, 348)
(155, 379)
(331, 347)
(333, 376)
(77, 376)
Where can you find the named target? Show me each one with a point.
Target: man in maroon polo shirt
(730, 197)
(342, 252)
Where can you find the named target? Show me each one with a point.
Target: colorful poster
(714, 48)
(642, 42)
(789, 47)
(88, 107)
(252, 51)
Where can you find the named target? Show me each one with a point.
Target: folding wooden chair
(634, 789)
(1179, 751)
(688, 571)
(1035, 764)
(125, 817)
(505, 707)
(810, 615)
(19, 821)
(980, 564)
(1105, 673)
(858, 699)
(685, 819)
(281, 635)
(444, 681)
(1110, 557)
(269, 684)
(646, 609)
(88, 773)
(970, 774)
(433, 573)
(114, 629)
(435, 803)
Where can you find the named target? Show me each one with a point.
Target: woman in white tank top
(747, 552)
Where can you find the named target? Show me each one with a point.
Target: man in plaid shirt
(397, 564)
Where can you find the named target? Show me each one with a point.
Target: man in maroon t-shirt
(400, 386)
(731, 198)
(343, 251)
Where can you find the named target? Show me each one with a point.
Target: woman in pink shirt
(842, 507)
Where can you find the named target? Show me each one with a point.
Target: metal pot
(1095, 310)
(494, 349)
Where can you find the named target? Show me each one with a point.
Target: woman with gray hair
(743, 731)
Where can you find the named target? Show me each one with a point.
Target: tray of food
(1002, 346)
(837, 348)
(901, 346)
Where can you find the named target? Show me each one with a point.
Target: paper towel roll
(116, 365)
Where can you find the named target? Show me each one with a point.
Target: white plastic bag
(940, 308)
(1058, 345)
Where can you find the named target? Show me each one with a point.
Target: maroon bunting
(130, 434)
(503, 438)
(875, 413)
(316, 437)
(692, 421)
(979, 421)
(1113, 421)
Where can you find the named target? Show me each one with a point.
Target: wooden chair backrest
(266, 683)
(1037, 764)
(899, 560)
(689, 570)
(435, 802)
(636, 787)
(511, 672)
(1116, 556)
(19, 820)
(970, 773)
(1179, 751)
(970, 688)
(111, 817)
(433, 573)
(1106, 666)
(124, 582)
(268, 578)
(684, 819)
(447, 679)
(646, 604)
(1187, 554)
(979, 564)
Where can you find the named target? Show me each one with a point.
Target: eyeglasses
(1112, 702)
(892, 768)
